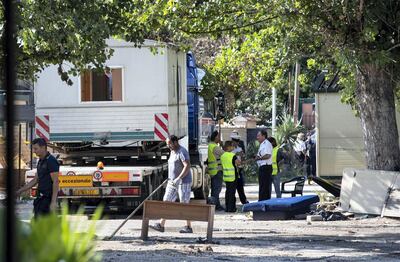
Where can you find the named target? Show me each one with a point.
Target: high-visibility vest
(274, 161)
(214, 164)
(228, 167)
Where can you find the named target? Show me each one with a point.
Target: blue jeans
(216, 187)
(276, 180)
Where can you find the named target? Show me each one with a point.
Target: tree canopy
(359, 38)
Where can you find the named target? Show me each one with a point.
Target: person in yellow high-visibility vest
(230, 162)
(239, 150)
(276, 159)
(214, 168)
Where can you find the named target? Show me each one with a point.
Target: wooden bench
(177, 211)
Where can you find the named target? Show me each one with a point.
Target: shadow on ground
(374, 247)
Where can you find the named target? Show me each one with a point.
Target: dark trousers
(216, 187)
(41, 204)
(311, 166)
(230, 199)
(265, 182)
(240, 187)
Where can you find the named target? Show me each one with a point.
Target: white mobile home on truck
(120, 116)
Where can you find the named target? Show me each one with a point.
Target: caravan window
(101, 86)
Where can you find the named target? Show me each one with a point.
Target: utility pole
(10, 77)
(290, 92)
(296, 93)
(273, 111)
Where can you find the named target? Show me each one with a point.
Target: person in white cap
(239, 151)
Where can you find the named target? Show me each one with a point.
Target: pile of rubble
(327, 211)
(331, 211)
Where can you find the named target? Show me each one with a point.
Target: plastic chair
(298, 187)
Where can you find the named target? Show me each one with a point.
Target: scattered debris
(327, 211)
(361, 217)
(209, 249)
(311, 218)
(199, 249)
(201, 240)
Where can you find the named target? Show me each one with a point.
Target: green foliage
(73, 34)
(286, 134)
(250, 168)
(2, 234)
(334, 35)
(286, 131)
(54, 238)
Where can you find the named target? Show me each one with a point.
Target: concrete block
(314, 218)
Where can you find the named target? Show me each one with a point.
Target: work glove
(177, 181)
(171, 183)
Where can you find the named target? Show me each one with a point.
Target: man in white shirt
(264, 162)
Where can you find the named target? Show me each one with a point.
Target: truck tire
(203, 192)
(157, 179)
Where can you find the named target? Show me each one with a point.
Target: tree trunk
(376, 104)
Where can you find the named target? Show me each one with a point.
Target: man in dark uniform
(46, 177)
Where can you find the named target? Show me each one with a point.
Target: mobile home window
(101, 86)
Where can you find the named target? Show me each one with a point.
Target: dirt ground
(238, 238)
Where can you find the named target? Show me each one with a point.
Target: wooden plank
(86, 92)
(198, 201)
(210, 225)
(116, 84)
(176, 211)
(145, 225)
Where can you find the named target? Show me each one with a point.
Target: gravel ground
(238, 238)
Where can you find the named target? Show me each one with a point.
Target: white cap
(235, 135)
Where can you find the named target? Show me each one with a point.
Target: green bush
(250, 168)
(54, 238)
(285, 135)
(2, 233)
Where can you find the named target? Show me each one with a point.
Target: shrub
(53, 238)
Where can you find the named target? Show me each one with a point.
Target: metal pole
(273, 111)
(134, 211)
(19, 155)
(296, 94)
(290, 93)
(10, 83)
(30, 144)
